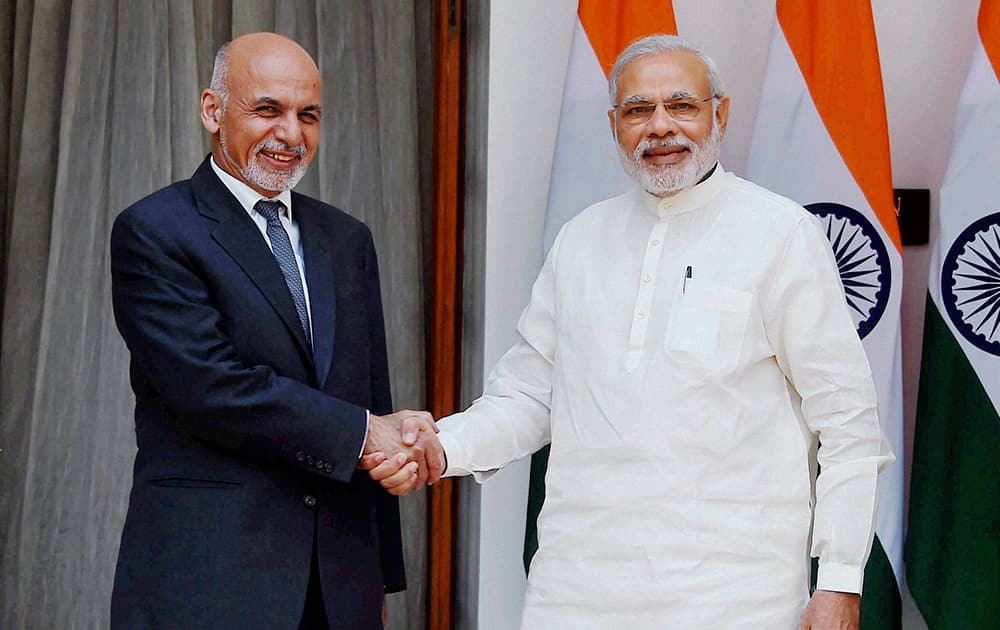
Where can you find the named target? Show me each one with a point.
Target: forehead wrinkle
(263, 75)
(660, 74)
(270, 100)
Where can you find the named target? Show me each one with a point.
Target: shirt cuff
(368, 424)
(845, 578)
(458, 463)
(453, 455)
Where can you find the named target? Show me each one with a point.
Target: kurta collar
(689, 199)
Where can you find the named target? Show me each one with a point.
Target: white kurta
(683, 415)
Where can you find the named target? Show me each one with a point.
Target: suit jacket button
(320, 463)
(310, 459)
(300, 456)
(309, 500)
(328, 468)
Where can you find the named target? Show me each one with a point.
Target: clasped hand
(402, 452)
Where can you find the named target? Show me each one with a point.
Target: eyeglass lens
(681, 109)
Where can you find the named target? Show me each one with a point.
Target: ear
(611, 120)
(211, 111)
(722, 115)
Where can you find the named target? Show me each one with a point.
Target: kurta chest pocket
(707, 325)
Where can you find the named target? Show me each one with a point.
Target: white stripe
(792, 153)
(970, 190)
(585, 168)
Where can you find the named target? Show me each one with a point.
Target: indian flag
(821, 138)
(586, 168)
(953, 544)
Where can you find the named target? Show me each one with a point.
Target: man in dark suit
(258, 360)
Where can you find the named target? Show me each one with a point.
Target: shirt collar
(687, 199)
(247, 196)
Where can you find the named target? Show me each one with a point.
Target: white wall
(529, 49)
(925, 46)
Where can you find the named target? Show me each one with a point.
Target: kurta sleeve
(821, 355)
(511, 419)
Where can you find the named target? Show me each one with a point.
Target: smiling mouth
(665, 155)
(278, 157)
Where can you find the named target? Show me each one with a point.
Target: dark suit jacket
(248, 439)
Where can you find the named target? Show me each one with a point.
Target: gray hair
(220, 74)
(656, 45)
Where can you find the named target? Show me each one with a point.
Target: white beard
(663, 180)
(260, 174)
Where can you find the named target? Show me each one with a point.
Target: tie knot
(268, 209)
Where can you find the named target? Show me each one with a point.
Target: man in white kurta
(681, 414)
(686, 348)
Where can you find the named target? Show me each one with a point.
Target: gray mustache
(647, 144)
(298, 150)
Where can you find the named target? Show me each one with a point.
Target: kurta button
(300, 456)
(647, 278)
(641, 316)
(656, 242)
(309, 500)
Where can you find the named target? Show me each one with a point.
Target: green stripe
(536, 496)
(881, 607)
(953, 542)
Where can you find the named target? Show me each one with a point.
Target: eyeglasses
(681, 109)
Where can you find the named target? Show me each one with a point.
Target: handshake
(403, 452)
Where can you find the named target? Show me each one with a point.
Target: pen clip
(684, 284)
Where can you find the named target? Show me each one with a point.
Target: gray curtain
(98, 108)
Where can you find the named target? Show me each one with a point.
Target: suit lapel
(320, 278)
(240, 238)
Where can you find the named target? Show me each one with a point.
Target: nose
(289, 129)
(661, 123)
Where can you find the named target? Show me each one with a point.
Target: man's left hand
(831, 610)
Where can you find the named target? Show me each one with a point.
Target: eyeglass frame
(655, 104)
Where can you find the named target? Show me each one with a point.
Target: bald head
(263, 110)
(246, 46)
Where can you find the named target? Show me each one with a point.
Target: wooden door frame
(445, 330)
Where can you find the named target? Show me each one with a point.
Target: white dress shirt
(684, 409)
(248, 198)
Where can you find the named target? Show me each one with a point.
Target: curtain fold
(100, 108)
(33, 149)
(396, 221)
(6, 143)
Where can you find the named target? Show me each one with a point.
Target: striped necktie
(282, 248)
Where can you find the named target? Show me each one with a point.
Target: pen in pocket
(684, 285)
